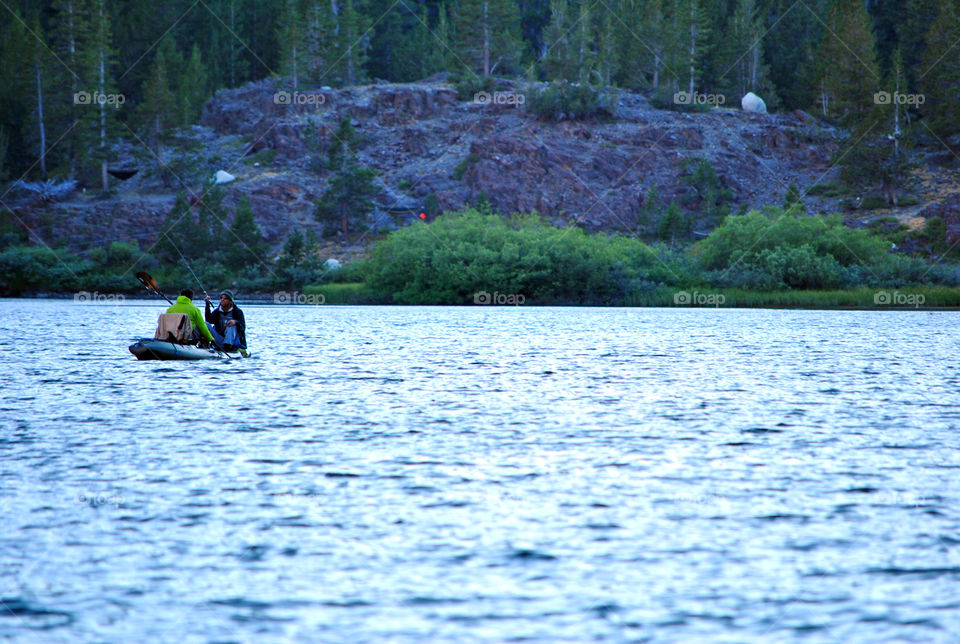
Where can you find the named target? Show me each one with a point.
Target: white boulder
(223, 177)
(753, 103)
(332, 264)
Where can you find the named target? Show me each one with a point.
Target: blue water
(482, 474)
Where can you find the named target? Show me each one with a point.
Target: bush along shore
(773, 257)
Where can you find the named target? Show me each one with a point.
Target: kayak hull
(151, 349)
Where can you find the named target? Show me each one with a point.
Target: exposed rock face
(425, 143)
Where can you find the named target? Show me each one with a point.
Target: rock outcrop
(428, 146)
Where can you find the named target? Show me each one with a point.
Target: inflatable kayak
(151, 349)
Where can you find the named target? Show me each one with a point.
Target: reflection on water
(482, 474)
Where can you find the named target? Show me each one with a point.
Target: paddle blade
(148, 281)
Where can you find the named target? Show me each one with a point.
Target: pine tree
(848, 74)
(607, 60)
(793, 35)
(487, 35)
(294, 250)
(70, 32)
(940, 75)
(878, 158)
(741, 56)
(672, 225)
(193, 90)
(918, 17)
(583, 44)
(157, 109)
(351, 44)
(245, 243)
(693, 36)
(40, 75)
(558, 58)
(207, 240)
(16, 91)
(350, 186)
(97, 115)
(178, 228)
(444, 57)
(319, 25)
(657, 35)
(290, 39)
(628, 44)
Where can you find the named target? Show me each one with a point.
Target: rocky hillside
(423, 140)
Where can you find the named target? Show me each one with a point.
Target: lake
(482, 474)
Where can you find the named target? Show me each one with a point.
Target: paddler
(184, 304)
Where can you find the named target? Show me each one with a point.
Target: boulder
(753, 103)
(222, 176)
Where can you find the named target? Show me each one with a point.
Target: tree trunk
(486, 38)
(74, 88)
(103, 102)
(693, 45)
(43, 132)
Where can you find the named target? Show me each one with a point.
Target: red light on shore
(423, 215)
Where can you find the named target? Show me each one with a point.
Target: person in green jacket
(185, 305)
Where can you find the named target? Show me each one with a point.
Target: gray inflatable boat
(152, 349)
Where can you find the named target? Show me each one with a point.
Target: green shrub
(462, 254)
(781, 250)
(563, 100)
(38, 268)
(343, 293)
(740, 238)
(461, 167)
(830, 189)
(470, 85)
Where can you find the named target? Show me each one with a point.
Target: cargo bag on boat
(174, 327)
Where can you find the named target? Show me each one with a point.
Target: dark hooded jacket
(218, 318)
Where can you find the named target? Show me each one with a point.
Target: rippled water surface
(482, 474)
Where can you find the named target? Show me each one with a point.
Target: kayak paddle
(151, 285)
